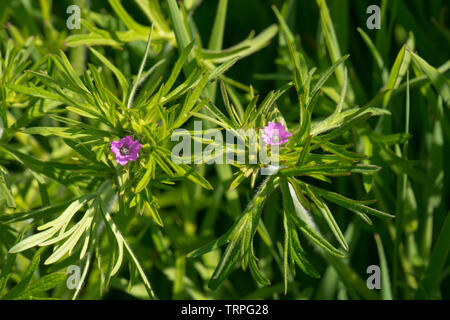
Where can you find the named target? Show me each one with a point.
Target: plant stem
(141, 69)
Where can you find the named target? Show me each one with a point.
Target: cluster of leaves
(311, 153)
(151, 118)
(52, 88)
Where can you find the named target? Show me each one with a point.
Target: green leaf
(300, 256)
(216, 38)
(5, 190)
(350, 204)
(302, 225)
(51, 228)
(216, 72)
(327, 74)
(18, 290)
(431, 276)
(373, 50)
(119, 75)
(36, 92)
(145, 178)
(177, 67)
(41, 212)
(152, 9)
(210, 246)
(256, 272)
(249, 46)
(7, 268)
(118, 235)
(126, 18)
(386, 293)
(329, 218)
(286, 247)
(74, 235)
(392, 80)
(66, 133)
(343, 121)
(45, 283)
(330, 38)
(181, 34)
(337, 168)
(316, 238)
(155, 214)
(229, 259)
(437, 79)
(184, 170)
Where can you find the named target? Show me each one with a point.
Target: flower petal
(115, 147)
(126, 141)
(133, 150)
(275, 133)
(122, 160)
(135, 146)
(133, 157)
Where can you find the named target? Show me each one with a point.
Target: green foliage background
(146, 231)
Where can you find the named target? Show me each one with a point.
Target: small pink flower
(275, 134)
(126, 150)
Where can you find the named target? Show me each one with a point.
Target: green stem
(141, 69)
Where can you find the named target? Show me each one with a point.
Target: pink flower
(126, 150)
(275, 134)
